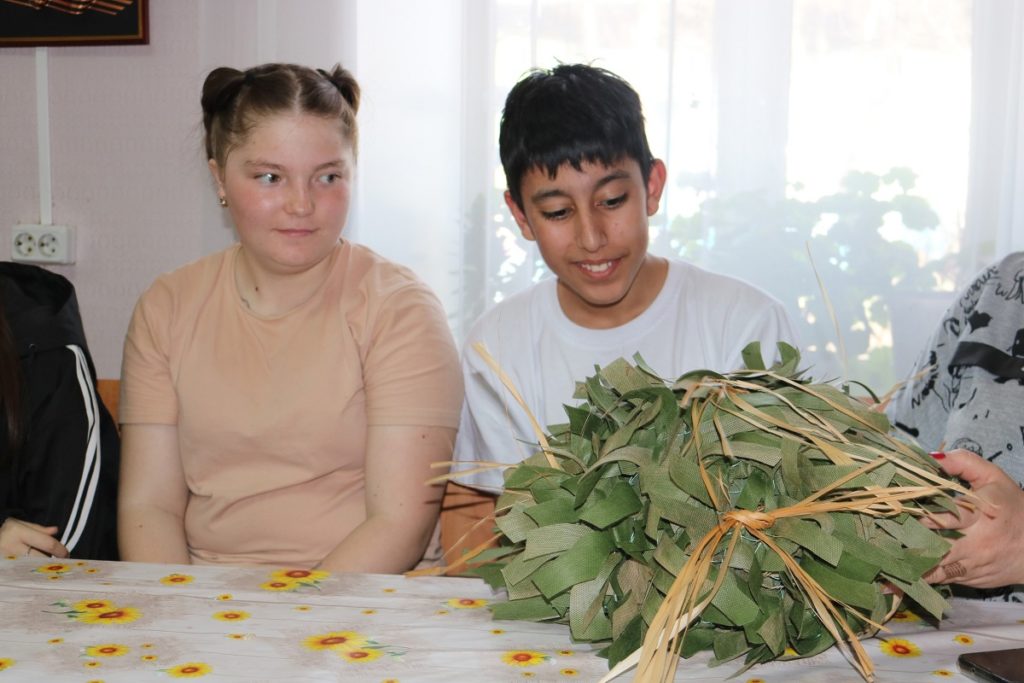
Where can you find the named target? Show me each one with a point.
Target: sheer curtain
(996, 188)
(800, 136)
(880, 141)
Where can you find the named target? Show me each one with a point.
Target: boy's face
(591, 229)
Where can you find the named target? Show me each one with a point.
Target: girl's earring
(223, 201)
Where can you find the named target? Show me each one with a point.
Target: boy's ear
(217, 176)
(519, 216)
(655, 186)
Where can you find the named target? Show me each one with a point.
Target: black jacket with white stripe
(65, 473)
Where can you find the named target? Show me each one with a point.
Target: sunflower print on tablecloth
(904, 616)
(107, 650)
(467, 603)
(360, 656)
(351, 646)
(231, 615)
(97, 612)
(899, 647)
(177, 579)
(97, 605)
(293, 579)
(524, 657)
(189, 670)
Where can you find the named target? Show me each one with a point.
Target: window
(823, 126)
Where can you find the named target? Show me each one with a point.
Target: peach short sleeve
(272, 413)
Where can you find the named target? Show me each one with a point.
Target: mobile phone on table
(994, 666)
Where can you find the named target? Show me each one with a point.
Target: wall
(126, 162)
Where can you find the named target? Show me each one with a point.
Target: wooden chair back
(110, 393)
(462, 508)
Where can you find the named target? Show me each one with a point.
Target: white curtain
(995, 206)
(791, 126)
(884, 136)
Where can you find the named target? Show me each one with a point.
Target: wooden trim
(461, 510)
(110, 393)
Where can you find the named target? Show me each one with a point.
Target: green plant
(765, 240)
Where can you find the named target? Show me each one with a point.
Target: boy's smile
(591, 227)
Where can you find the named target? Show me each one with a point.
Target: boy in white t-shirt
(582, 184)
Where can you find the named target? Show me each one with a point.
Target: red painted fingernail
(938, 455)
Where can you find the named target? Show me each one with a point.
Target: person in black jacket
(59, 447)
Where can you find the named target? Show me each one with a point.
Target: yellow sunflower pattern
(97, 605)
(360, 656)
(351, 646)
(899, 647)
(904, 617)
(353, 637)
(278, 585)
(118, 615)
(232, 615)
(337, 640)
(107, 650)
(189, 670)
(293, 579)
(524, 657)
(176, 579)
(467, 603)
(98, 611)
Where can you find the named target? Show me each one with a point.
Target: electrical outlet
(43, 244)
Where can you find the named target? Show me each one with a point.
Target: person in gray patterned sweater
(964, 401)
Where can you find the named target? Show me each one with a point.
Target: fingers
(965, 572)
(954, 570)
(25, 538)
(970, 467)
(948, 520)
(978, 474)
(52, 547)
(958, 566)
(892, 589)
(41, 539)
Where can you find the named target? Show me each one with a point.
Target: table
(123, 621)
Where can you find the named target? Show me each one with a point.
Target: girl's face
(288, 187)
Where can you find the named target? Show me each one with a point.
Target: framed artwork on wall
(33, 23)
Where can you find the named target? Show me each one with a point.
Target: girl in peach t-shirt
(283, 399)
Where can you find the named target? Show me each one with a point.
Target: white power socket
(43, 244)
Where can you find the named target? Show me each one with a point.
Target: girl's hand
(991, 552)
(25, 538)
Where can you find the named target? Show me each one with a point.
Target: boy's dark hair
(573, 113)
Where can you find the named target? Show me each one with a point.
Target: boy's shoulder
(688, 287)
(516, 313)
(699, 282)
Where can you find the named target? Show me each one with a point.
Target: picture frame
(54, 23)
